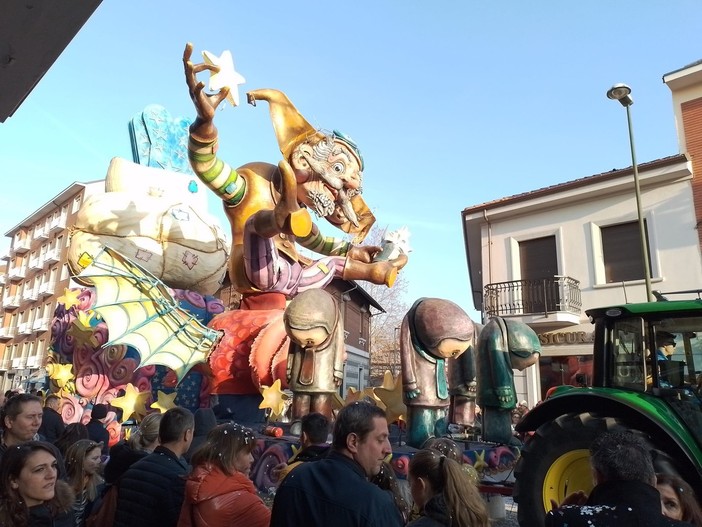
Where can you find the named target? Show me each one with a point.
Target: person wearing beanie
(96, 427)
(205, 421)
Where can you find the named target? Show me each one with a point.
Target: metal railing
(530, 297)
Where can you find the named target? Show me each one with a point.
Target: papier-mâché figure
(315, 366)
(433, 331)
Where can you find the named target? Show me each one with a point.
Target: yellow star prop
(60, 373)
(352, 395)
(69, 298)
(395, 408)
(226, 76)
(132, 402)
(82, 331)
(165, 401)
(273, 398)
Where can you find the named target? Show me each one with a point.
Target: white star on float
(226, 76)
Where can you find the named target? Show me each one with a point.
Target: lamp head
(621, 93)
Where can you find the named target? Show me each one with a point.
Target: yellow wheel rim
(569, 473)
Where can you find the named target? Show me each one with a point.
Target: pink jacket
(213, 499)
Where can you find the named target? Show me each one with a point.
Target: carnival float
(143, 331)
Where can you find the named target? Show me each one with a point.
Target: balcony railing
(40, 324)
(21, 246)
(47, 288)
(17, 273)
(58, 224)
(36, 264)
(11, 301)
(19, 363)
(8, 332)
(530, 297)
(52, 256)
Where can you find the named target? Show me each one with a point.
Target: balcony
(3, 279)
(17, 273)
(25, 328)
(52, 256)
(546, 302)
(5, 364)
(11, 302)
(21, 246)
(8, 332)
(31, 295)
(41, 234)
(34, 361)
(47, 288)
(19, 363)
(58, 224)
(36, 264)
(40, 324)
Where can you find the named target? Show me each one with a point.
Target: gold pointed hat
(291, 128)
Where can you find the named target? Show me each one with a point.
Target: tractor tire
(555, 462)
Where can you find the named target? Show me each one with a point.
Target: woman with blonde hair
(678, 500)
(218, 492)
(125, 453)
(444, 492)
(83, 463)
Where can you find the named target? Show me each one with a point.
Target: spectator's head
(678, 500)
(98, 412)
(445, 446)
(228, 446)
(28, 475)
(314, 429)
(432, 473)
(146, 436)
(72, 433)
(21, 418)
(52, 401)
(176, 429)
(361, 433)
(83, 459)
(621, 456)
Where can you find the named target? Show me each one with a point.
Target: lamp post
(622, 93)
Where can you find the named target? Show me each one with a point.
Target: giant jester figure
(268, 209)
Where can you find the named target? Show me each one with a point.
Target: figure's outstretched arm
(326, 245)
(203, 141)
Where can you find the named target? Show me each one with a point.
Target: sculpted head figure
(311, 318)
(443, 327)
(328, 166)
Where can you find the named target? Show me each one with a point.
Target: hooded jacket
(214, 499)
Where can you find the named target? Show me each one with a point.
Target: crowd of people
(55, 474)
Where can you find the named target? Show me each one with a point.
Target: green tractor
(646, 373)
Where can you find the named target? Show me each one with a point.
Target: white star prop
(226, 76)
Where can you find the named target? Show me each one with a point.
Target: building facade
(36, 275)
(545, 256)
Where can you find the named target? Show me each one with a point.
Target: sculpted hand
(412, 394)
(205, 104)
(504, 395)
(363, 253)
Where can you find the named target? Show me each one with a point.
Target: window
(621, 252)
(76, 203)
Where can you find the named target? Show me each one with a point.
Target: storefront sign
(566, 337)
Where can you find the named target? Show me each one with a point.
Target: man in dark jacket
(52, 424)
(335, 490)
(151, 490)
(96, 427)
(624, 495)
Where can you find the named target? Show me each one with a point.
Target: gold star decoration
(353, 395)
(273, 398)
(226, 76)
(60, 373)
(165, 401)
(82, 331)
(395, 408)
(133, 402)
(69, 298)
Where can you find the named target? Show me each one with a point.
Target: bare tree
(385, 327)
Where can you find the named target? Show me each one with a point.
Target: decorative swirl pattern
(121, 373)
(71, 410)
(91, 380)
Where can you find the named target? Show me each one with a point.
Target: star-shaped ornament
(353, 395)
(273, 398)
(69, 298)
(395, 408)
(226, 76)
(60, 373)
(132, 402)
(165, 401)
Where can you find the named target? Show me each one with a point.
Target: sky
(452, 103)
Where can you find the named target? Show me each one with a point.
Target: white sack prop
(184, 248)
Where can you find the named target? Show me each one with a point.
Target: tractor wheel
(556, 462)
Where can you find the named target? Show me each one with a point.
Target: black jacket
(151, 491)
(332, 491)
(122, 456)
(51, 425)
(98, 433)
(435, 514)
(615, 504)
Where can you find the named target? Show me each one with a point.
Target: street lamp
(622, 93)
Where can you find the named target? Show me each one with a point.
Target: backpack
(104, 514)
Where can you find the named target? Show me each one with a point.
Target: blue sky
(453, 103)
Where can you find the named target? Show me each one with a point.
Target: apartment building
(35, 276)
(545, 256)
